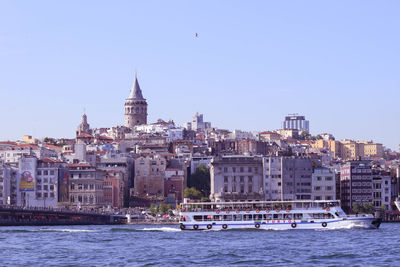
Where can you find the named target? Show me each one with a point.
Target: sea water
(143, 245)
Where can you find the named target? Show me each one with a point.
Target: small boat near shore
(271, 215)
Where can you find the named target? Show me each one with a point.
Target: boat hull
(347, 223)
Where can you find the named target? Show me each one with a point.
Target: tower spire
(136, 92)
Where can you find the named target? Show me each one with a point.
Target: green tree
(357, 208)
(200, 180)
(205, 199)
(162, 208)
(157, 209)
(151, 209)
(192, 193)
(169, 207)
(368, 207)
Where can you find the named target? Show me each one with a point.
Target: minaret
(135, 107)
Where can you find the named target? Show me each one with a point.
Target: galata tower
(135, 107)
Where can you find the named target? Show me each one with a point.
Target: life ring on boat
(195, 227)
(237, 211)
(267, 210)
(217, 211)
(324, 224)
(224, 226)
(294, 225)
(327, 209)
(287, 209)
(278, 210)
(227, 211)
(257, 210)
(209, 226)
(182, 226)
(247, 211)
(257, 225)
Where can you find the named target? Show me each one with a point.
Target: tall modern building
(293, 121)
(135, 107)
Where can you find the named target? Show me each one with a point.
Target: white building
(287, 178)
(236, 178)
(197, 123)
(323, 184)
(293, 121)
(238, 134)
(381, 190)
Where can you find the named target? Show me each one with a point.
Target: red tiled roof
(105, 137)
(268, 132)
(8, 143)
(48, 160)
(28, 145)
(79, 165)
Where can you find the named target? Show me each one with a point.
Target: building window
(250, 179)
(225, 179)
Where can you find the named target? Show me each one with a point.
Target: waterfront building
(323, 184)
(287, 178)
(381, 189)
(114, 189)
(85, 186)
(174, 185)
(135, 107)
(8, 180)
(294, 121)
(51, 183)
(123, 165)
(355, 183)
(149, 176)
(236, 178)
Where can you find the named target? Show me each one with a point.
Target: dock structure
(17, 216)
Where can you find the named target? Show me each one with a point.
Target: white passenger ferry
(270, 215)
(397, 202)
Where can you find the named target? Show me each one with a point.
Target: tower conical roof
(136, 93)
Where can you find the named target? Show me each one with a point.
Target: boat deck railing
(257, 206)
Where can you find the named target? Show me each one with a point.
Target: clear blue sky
(336, 62)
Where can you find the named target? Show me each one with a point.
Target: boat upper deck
(259, 205)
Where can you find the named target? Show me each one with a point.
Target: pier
(15, 216)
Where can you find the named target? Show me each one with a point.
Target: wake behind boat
(271, 215)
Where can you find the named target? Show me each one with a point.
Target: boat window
(287, 216)
(227, 217)
(258, 217)
(298, 216)
(277, 216)
(237, 217)
(247, 217)
(207, 217)
(198, 218)
(217, 217)
(267, 216)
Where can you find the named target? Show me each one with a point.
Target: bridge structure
(14, 216)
